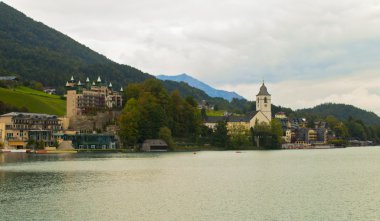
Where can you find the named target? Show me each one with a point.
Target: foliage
(166, 134)
(341, 112)
(220, 137)
(150, 108)
(276, 130)
(239, 136)
(267, 136)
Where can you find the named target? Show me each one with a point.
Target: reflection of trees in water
(31, 157)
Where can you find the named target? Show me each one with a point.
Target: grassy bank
(35, 101)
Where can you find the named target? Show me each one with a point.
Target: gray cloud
(227, 43)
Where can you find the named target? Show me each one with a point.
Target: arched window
(265, 100)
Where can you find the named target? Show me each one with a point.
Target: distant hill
(34, 51)
(212, 92)
(35, 101)
(342, 112)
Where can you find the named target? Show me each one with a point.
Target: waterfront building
(154, 145)
(91, 141)
(17, 129)
(91, 97)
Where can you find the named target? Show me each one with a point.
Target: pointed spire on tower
(99, 80)
(67, 84)
(110, 85)
(72, 79)
(79, 83)
(93, 83)
(121, 89)
(87, 80)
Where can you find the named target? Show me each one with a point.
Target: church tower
(263, 102)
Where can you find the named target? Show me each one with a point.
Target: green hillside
(341, 112)
(35, 101)
(34, 51)
(37, 52)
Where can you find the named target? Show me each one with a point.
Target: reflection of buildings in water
(13, 157)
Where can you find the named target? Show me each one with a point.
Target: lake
(331, 184)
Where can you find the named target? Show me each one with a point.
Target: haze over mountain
(212, 92)
(325, 51)
(34, 51)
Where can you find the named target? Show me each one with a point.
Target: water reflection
(253, 185)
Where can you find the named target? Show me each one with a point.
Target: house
(18, 128)
(8, 78)
(280, 115)
(50, 91)
(154, 145)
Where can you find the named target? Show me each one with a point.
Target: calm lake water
(335, 184)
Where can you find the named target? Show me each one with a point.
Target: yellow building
(18, 128)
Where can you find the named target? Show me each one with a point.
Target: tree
(150, 108)
(276, 129)
(261, 133)
(239, 136)
(166, 135)
(129, 123)
(220, 136)
(203, 114)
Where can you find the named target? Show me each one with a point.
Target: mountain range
(35, 52)
(210, 91)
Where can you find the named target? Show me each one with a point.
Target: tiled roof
(23, 114)
(215, 119)
(263, 91)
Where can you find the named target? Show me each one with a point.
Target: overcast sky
(308, 52)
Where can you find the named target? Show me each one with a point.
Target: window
(265, 100)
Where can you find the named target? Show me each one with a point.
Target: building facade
(91, 141)
(17, 129)
(90, 97)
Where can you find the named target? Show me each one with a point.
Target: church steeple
(263, 90)
(263, 102)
